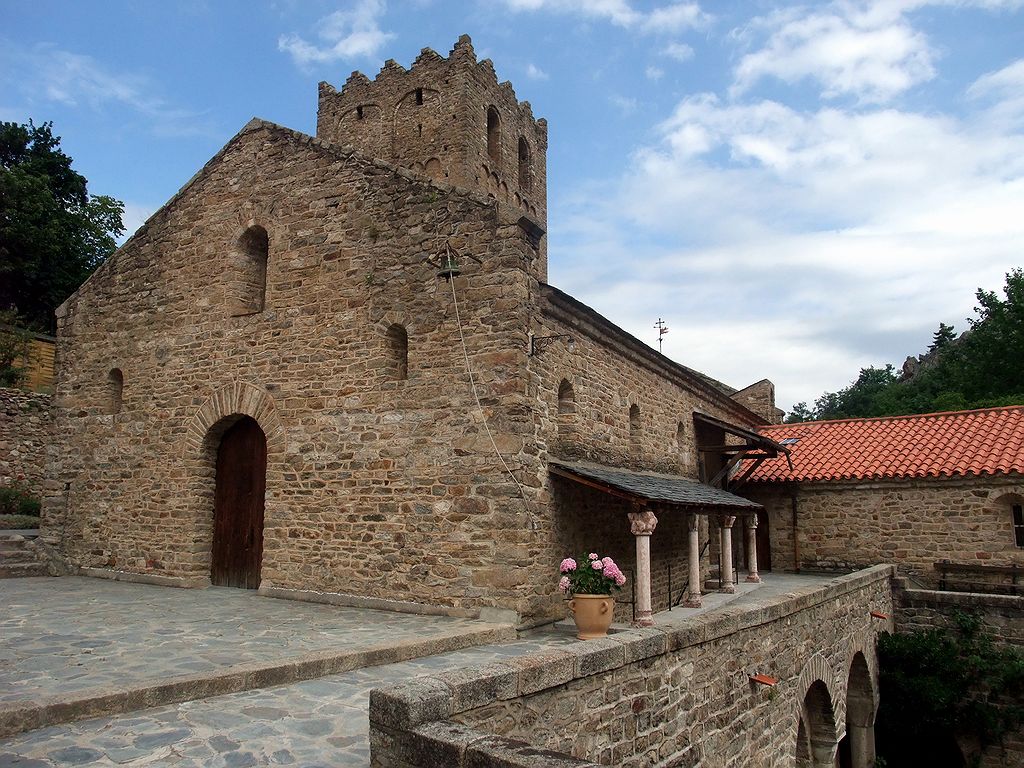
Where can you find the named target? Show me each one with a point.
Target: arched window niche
(249, 262)
(493, 135)
(566, 399)
(115, 391)
(635, 427)
(525, 171)
(398, 351)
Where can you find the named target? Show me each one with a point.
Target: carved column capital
(642, 523)
(752, 521)
(693, 521)
(728, 520)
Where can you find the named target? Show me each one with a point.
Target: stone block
(501, 752)
(479, 686)
(539, 671)
(642, 643)
(594, 656)
(402, 707)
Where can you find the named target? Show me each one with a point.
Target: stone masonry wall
(912, 524)
(609, 373)
(677, 694)
(376, 485)
(433, 119)
(26, 429)
(1002, 617)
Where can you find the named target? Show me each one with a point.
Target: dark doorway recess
(238, 506)
(764, 542)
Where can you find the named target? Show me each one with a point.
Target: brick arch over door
(817, 668)
(237, 399)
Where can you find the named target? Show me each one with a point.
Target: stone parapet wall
(26, 429)
(677, 694)
(1002, 616)
(911, 523)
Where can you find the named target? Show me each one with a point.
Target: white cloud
(679, 51)
(870, 52)
(347, 34)
(47, 73)
(625, 104)
(669, 18)
(803, 244)
(654, 73)
(535, 73)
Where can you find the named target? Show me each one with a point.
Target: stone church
(332, 368)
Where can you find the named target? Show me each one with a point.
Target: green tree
(860, 398)
(15, 345)
(53, 233)
(942, 337)
(800, 412)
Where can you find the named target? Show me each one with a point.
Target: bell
(449, 266)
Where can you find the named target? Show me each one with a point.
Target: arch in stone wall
(223, 409)
(817, 723)
(233, 400)
(857, 747)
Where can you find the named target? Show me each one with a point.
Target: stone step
(22, 570)
(16, 556)
(11, 544)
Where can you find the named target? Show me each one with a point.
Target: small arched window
(680, 434)
(115, 390)
(250, 283)
(634, 421)
(566, 398)
(524, 165)
(1017, 511)
(493, 135)
(398, 351)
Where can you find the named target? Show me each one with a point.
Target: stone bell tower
(449, 119)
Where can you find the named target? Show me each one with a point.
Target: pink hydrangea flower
(563, 584)
(593, 556)
(620, 579)
(607, 561)
(567, 565)
(596, 565)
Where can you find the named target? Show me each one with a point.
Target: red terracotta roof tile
(983, 442)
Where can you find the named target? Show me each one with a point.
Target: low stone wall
(1002, 616)
(26, 428)
(677, 694)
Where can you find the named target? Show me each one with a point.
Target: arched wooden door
(238, 506)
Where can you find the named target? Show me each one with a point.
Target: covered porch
(705, 511)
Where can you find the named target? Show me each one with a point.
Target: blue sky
(799, 190)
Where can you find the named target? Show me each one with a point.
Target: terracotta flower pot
(593, 615)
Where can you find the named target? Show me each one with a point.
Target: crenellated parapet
(450, 119)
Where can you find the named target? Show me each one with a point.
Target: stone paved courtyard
(309, 724)
(62, 636)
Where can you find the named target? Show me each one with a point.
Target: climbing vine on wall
(939, 685)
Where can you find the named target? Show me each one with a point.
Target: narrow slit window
(398, 350)
(634, 422)
(419, 96)
(115, 391)
(1018, 525)
(566, 398)
(524, 165)
(493, 135)
(251, 255)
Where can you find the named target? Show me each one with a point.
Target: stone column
(642, 525)
(693, 560)
(752, 575)
(726, 559)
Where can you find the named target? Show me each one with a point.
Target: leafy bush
(938, 685)
(16, 498)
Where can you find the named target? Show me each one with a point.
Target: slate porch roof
(653, 486)
(989, 441)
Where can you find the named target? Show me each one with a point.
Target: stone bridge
(787, 680)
